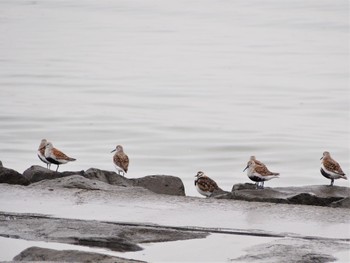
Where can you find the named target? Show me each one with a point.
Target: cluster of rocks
(119, 237)
(318, 195)
(159, 184)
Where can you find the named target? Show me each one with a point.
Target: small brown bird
(55, 156)
(41, 153)
(259, 173)
(205, 185)
(330, 168)
(120, 160)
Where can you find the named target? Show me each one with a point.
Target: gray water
(182, 85)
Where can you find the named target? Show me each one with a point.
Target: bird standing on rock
(205, 185)
(259, 173)
(120, 160)
(330, 168)
(55, 156)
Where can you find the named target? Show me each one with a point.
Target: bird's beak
(246, 168)
(113, 150)
(321, 158)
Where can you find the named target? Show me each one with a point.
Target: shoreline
(73, 209)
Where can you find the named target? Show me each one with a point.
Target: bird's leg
(57, 167)
(262, 185)
(332, 181)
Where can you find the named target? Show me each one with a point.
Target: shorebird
(41, 153)
(330, 168)
(259, 173)
(120, 160)
(205, 185)
(55, 156)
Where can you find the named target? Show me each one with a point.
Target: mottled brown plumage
(263, 170)
(330, 164)
(205, 185)
(252, 158)
(331, 168)
(259, 173)
(120, 159)
(55, 156)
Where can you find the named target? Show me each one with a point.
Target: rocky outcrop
(38, 173)
(107, 177)
(45, 254)
(120, 237)
(319, 195)
(10, 176)
(161, 184)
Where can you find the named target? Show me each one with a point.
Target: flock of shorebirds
(256, 170)
(51, 155)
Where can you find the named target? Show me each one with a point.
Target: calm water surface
(183, 85)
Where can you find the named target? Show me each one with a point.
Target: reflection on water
(183, 85)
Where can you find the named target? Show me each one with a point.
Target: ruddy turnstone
(41, 153)
(205, 185)
(120, 160)
(330, 168)
(259, 173)
(55, 156)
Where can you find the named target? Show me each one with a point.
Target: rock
(107, 177)
(38, 173)
(10, 176)
(72, 181)
(119, 237)
(45, 254)
(319, 195)
(113, 243)
(243, 186)
(292, 251)
(161, 184)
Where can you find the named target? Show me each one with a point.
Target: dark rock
(113, 243)
(107, 177)
(110, 235)
(243, 186)
(161, 184)
(45, 254)
(320, 195)
(38, 173)
(10, 176)
(72, 181)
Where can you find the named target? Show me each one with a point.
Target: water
(182, 85)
